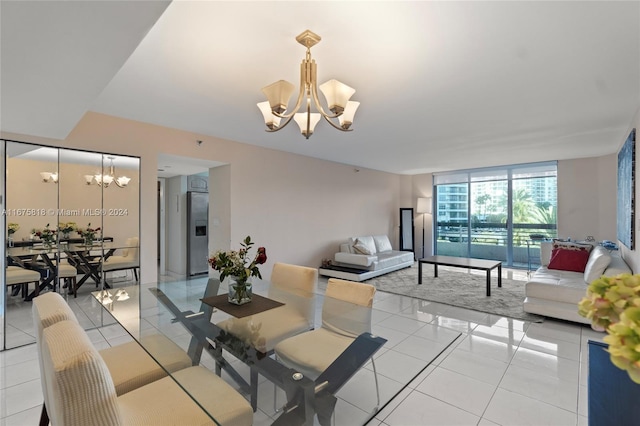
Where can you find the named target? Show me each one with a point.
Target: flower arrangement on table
(12, 228)
(47, 235)
(66, 228)
(239, 265)
(613, 304)
(88, 234)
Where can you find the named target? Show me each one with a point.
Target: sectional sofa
(364, 257)
(556, 292)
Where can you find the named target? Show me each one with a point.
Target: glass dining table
(189, 313)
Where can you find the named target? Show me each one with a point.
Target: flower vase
(48, 244)
(10, 241)
(88, 241)
(66, 235)
(240, 291)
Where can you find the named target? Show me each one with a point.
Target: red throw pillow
(568, 260)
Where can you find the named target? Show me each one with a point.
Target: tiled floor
(499, 372)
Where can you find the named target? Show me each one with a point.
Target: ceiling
(442, 85)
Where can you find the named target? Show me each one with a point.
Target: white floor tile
(436, 333)
(550, 365)
(554, 330)
(458, 390)
(398, 366)
(489, 348)
(18, 398)
(19, 373)
(421, 409)
(479, 367)
(583, 401)
(24, 418)
(559, 348)
(509, 408)
(545, 388)
(420, 348)
(402, 324)
(393, 336)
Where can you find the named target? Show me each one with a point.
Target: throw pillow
(571, 245)
(569, 259)
(382, 243)
(599, 260)
(361, 248)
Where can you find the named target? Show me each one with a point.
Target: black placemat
(258, 304)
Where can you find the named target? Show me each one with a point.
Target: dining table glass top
(234, 346)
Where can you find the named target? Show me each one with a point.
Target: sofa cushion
(392, 258)
(599, 259)
(617, 266)
(552, 284)
(364, 245)
(355, 259)
(382, 243)
(569, 259)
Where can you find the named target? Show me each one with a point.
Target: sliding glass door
(496, 213)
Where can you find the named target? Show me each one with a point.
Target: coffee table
(462, 262)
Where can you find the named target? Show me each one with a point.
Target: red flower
(262, 256)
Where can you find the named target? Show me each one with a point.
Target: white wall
(587, 198)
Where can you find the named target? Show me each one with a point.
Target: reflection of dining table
(181, 309)
(38, 258)
(86, 259)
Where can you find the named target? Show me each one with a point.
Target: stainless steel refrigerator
(197, 232)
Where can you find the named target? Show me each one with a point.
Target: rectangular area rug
(462, 289)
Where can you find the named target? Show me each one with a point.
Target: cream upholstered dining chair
(79, 389)
(22, 277)
(130, 258)
(293, 285)
(130, 366)
(346, 314)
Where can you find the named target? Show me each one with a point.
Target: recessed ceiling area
(442, 85)
(175, 165)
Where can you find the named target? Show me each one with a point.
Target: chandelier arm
(288, 119)
(334, 125)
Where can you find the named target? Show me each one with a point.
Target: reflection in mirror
(3, 252)
(73, 230)
(80, 208)
(32, 182)
(120, 222)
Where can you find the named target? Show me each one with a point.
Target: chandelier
(336, 93)
(105, 180)
(49, 177)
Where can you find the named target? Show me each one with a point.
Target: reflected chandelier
(106, 179)
(336, 93)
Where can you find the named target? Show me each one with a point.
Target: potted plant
(239, 267)
(11, 229)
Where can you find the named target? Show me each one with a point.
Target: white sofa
(556, 293)
(364, 257)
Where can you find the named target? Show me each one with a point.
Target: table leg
(419, 272)
(500, 275)
(488, 282)
(435, 270)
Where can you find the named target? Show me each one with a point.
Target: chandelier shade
(336, 94)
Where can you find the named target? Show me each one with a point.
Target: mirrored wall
(72, 223)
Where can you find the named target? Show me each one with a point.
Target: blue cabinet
(614, 399)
